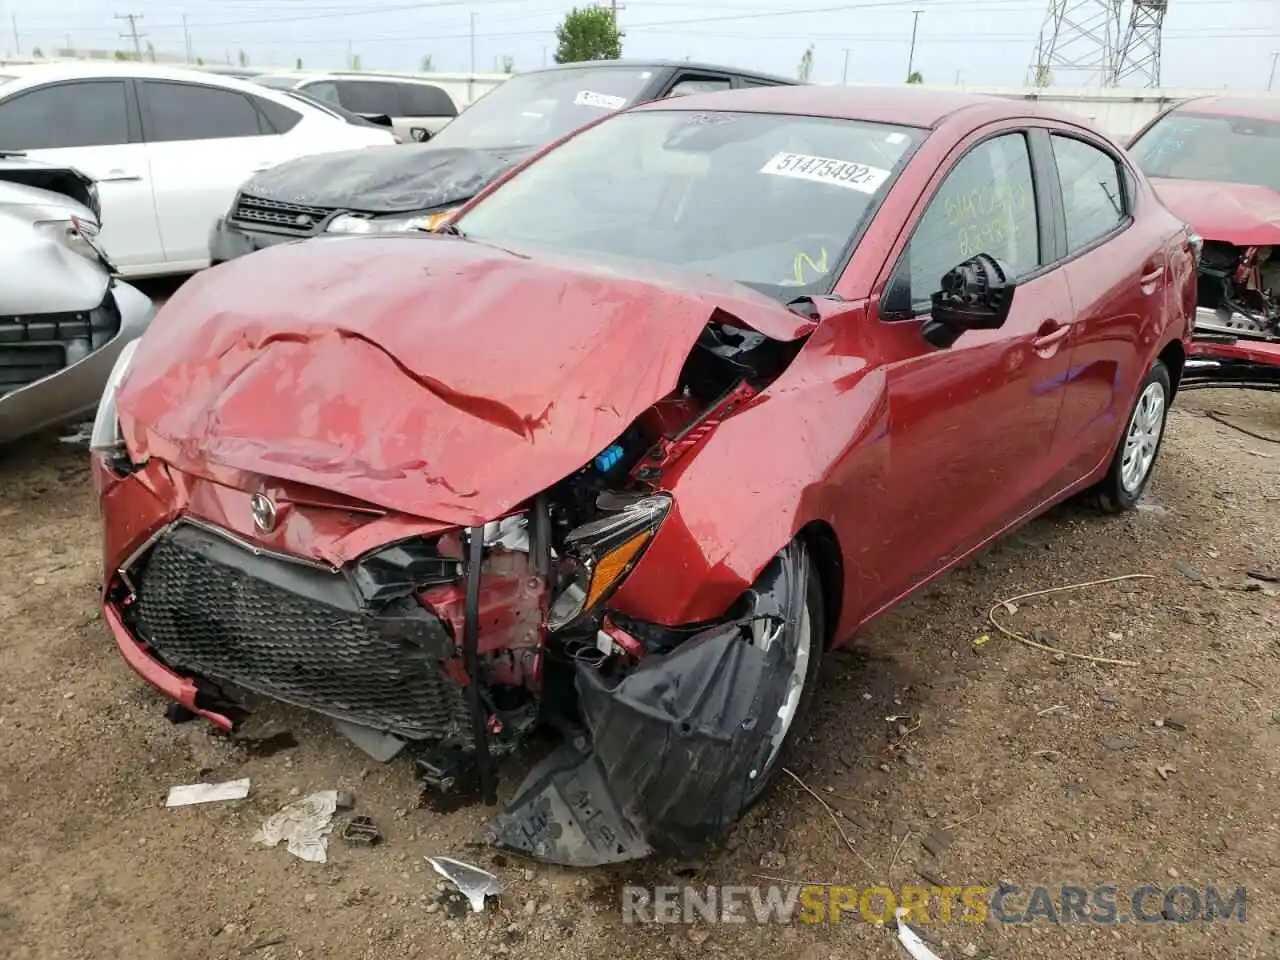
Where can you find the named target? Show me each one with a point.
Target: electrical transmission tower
(1077, 45)
(1139, 52)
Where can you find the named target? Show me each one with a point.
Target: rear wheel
(807, 642)
(1139, 445)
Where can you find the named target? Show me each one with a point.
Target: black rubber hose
(471, 657)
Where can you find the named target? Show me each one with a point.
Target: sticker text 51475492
(839, 173)
(589, 98)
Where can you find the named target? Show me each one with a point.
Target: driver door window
(985, 205)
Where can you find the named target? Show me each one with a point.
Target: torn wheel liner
(677, 748)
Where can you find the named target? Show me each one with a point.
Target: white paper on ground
(305, 824)
(207, 792)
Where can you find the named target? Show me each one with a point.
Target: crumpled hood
(1238, 213)
(426, 374)
(403, 178)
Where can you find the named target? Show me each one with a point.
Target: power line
(133, 34)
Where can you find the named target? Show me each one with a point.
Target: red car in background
(663, 414)
(1215, 162)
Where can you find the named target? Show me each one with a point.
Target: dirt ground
(1043, 769)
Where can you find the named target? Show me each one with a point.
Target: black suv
(413, 186)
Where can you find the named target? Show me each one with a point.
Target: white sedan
(167, 147)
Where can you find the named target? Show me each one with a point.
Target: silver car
(64, 318)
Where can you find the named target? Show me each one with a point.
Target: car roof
(1258, 107)
(29, 75)
(692, 66)
(106, 69)
(905, 105)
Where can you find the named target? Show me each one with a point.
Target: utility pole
(186, 37)
(473, 43)
(911, 57)
(844, 74)
(133, 33)
(1271, 81)
(17, 44)
(544, 56)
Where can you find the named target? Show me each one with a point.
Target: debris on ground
(472, 882)
(305, 824)
(379, 745)
(361, 832)
(190, 793)
(911, 940)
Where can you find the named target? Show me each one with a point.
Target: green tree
(915, 77)
(508, 63)
(243, 58)
(121, 55)
(37, 52)
(297, 64)
(1044, 76)
(199, 61)
(151, 52)
(355, 62)
(428, 64)
(589, 33)
(805, 68)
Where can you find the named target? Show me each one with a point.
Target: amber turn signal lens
(613, 565)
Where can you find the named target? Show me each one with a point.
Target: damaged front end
(1236, 339)
(455, 644)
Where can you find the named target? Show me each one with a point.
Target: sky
(1207, 43)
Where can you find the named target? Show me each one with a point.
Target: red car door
(1118, 271)
(970, 428)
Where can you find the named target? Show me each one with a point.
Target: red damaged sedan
(1215, 162)
(664, 413)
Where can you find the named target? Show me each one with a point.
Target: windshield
(532, 109)
(1192, 146)
(279, 83)
(770, 201)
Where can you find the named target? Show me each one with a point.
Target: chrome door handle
(1152, 276)
(1045, 340)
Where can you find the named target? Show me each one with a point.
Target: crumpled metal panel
(428, 375)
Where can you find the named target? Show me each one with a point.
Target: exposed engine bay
(1241, 285)
(457, 647)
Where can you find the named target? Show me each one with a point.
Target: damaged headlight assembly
(105, 438)
(425, 222)
(603, 553)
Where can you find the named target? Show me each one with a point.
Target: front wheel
(1139, 445)
(806, 641)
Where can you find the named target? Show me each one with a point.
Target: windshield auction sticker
(586, 98)
(839, 173)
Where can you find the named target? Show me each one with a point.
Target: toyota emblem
(302, 220)
(264, 513)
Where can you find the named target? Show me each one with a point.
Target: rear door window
(1092, 197)
(370, 96)
(187, 111)
(425, 100)
(89, 113)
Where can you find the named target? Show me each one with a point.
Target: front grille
(37, 345)
(299, 218)
(207, 606)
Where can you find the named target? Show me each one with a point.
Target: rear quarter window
(279, 117)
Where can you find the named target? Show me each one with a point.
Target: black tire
(1112, 495)
(799, 724)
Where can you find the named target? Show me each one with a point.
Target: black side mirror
(976, 295)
